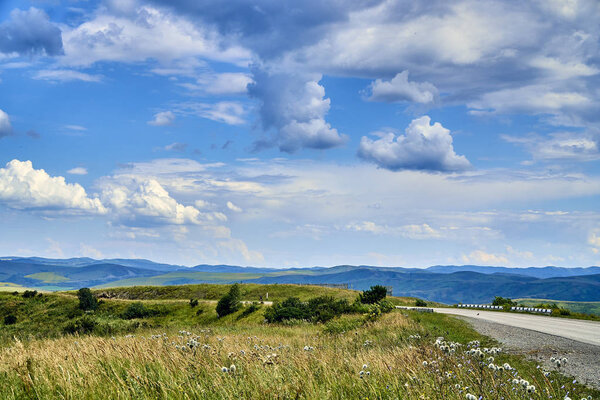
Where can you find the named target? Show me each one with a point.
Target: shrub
(229, 303)
(318, 309)
(81, 326)
(373, 314)
(10, 319)
(136, 310)
(387, 306)
(502, 301)
(249, 310)
(193, 302)
(87, 301)
(420, 303)
(373, 295)
(29, 294)
(290, 308)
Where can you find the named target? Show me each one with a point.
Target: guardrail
(481, 306)
(530, 309)
(518, 309)
(420, 309)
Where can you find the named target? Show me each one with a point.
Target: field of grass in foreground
(300, 360)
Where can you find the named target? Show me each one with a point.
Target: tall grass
(271, 362)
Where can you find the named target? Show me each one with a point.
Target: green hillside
(51, 349)
(48, 277)
(208, 291)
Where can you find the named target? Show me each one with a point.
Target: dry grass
(145, 367)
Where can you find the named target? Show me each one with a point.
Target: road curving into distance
(575, 329)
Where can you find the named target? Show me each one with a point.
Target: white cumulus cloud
(163, 118)
(423, 147)
(23, 187)
(295, 106)
(145, 202)
(400, 89)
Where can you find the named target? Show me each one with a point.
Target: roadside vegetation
(184, 349)
(559, 309)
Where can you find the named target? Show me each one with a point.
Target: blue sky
(275, 133)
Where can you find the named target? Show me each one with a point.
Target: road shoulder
(584, 359)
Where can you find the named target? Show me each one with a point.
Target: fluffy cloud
(163, 118)
(65, 75)
(294, 106)
(561, 145)
(400, 89)
(29, 33)
(424, 147)
(144, 202)
(144, 33)
(5, 125)
(269, 28)
(25, 188)
(312, 199)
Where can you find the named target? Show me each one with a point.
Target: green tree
(87, 301)
(373, 295)
(420, 303)
(229, 303)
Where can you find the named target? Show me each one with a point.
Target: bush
(318, 309)
(136, 310)
(10, 319)
(81, 326)
(29, 294)
(373, 314)
(502, 301)
(229, 303)
(373, 295)
(564, 311)
(387, 306)
(249, 310)
(420, 303)
(193, 302)
(87, 301)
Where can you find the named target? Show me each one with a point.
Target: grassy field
(48, 277)
(180, 353)
(584, 307)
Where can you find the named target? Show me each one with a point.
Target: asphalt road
(575, 329)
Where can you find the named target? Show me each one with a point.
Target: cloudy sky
(285, 133)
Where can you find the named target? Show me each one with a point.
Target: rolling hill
(447, 284)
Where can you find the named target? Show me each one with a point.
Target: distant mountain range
(447, 284)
